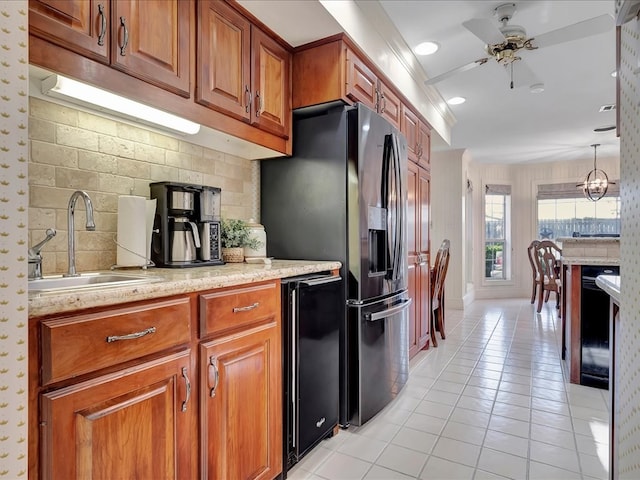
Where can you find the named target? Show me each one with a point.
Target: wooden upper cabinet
(361, 82)
(242, 72)
(271, 64)
(409, 126)
(152, 40)
(224, 75)
(424, 142)
(418, 135)
(149, 40)
(389, 105)
(82, 26)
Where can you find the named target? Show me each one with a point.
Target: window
(564, 212)
(497, 212)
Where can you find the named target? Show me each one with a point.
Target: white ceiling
(496, 124)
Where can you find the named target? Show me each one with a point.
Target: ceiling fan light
(426, 48)
(456, 100)
(536, 88)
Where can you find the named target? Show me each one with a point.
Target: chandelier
(596, 183)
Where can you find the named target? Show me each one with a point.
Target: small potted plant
(234, 236)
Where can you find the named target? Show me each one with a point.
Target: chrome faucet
(35, 259)
(91, 226)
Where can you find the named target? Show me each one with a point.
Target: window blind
(551, 191)
(491, 189)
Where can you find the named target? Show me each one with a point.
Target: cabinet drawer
(237, 307)
(80, 344)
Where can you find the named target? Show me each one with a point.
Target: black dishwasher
(312, 310)
(594, 327)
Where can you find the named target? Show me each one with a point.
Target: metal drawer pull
(103, 24)
(188, 384)
(125, 40)
(214, 376)
(245, 309)
(131, 336)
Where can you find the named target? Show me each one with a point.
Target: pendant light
(597, 182)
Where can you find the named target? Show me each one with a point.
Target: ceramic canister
(257, 232)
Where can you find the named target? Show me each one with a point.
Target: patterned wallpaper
(13, 238)
(628, 335)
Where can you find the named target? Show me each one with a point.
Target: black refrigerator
(342, 196)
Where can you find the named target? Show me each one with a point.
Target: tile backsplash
(73, 150)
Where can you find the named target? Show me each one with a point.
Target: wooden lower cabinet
(135, 423)
(241, 405)
(201, 399)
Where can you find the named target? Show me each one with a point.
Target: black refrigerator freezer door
(379, 356)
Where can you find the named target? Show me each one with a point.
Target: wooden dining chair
(535, 271)
(438, 274)
(548, 257)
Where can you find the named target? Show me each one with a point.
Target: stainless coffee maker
(186, 225)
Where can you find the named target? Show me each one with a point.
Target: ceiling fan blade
(523, 76)
(583, 29)
(485, 30)
(450, 73)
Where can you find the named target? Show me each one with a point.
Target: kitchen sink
(56, 283)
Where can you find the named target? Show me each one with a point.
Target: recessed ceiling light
(426, 48)
(537, 88)
(456, 100)
(614, 74)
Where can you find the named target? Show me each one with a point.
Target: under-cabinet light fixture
(96, 98)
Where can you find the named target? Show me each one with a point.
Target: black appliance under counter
(312, 312)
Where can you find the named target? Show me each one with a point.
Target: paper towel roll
(135, 222)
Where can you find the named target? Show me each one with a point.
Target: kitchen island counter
(171, 282)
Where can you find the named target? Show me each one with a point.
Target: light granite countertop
(590, 261)
(585, 240)
(611, 285)
(171, 281)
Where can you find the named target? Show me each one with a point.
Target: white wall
(627, 382)
(448, 213)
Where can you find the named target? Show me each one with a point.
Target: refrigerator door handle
(374, 317)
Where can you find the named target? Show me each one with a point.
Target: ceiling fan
(504, 42)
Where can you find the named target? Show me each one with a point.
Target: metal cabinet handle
(103, 24)
(214, 376)
(188, 385)
(384, 103)
(258, 103)
(248, 94)
(125, 41)
(245, 309)
(131, 336)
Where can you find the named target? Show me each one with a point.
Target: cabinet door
(241, 405)
(361, 82)
(424, 203)
(418, 259)
(224, 42)
(271, 84)
(389, 105)
(131, 424)
(151, 42)
(409, 127)
(424, 146)
(82, 26)
(413, 259)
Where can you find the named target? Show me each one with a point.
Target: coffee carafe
(185, 239)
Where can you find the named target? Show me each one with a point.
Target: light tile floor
(491, 401)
